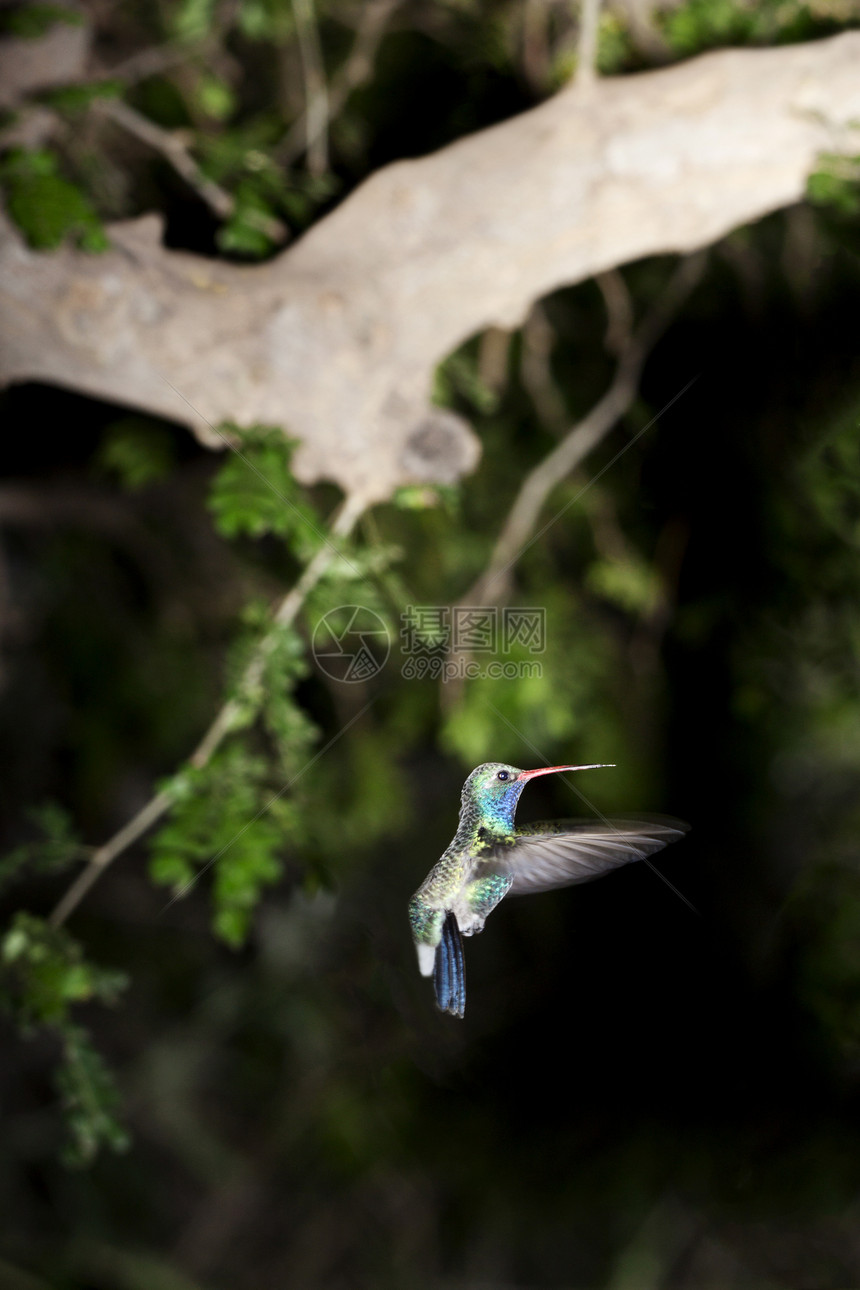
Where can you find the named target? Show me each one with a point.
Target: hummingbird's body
(489, 858)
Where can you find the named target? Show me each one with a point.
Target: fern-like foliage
(231, 817)
(56, 848)
(255, 492)
(45, 974)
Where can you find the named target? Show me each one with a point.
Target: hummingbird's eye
(503, 774)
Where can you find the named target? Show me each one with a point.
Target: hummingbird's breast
(446, 877)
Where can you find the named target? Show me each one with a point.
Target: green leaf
(836, 183)
(215, 97)
(32, 21)
(246, 231)
(282, 662)
(46, 971)
(57, 849)
(90, 1100)
(137, 451)
(45, 206)
(415, 497)
(291, 729)
(170, 869)
(614, 44)
(265, 20)
(255, 492)
(230, 924)
(242, 235)
(459, 374)
(77, 98)
(193, 19)
(630, 583)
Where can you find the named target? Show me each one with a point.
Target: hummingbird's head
(493, 791)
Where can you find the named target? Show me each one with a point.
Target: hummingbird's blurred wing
(563, 852)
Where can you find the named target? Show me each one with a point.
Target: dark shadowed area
(222, 1069)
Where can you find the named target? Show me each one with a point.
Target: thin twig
(538, 338)
(172, 148)
(586, 46)
(345, 520)
(176, 152)
(152, 62)
(536, 19)
(357, 68)
(316, 113)
(619, 310)
(491, 587)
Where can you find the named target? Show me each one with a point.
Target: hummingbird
(489, 858)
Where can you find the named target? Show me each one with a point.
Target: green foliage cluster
(228, 817)
(255, 492)
(244, 160)
(700, 25)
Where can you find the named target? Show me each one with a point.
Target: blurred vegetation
(642, 1094)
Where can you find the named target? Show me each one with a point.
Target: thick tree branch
(338, 337)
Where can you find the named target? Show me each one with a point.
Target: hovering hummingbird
(490, 858)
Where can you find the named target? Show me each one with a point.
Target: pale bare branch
(538, 340)
(586, 45)
(317, 112)
(156, 60)
(619, 310)
(338, 337)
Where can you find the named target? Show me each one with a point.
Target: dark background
(642, 1094)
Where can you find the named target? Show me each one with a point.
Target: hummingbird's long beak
(553, 770)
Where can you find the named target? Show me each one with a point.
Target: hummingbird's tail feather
(449, 971)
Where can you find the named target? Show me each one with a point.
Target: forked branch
(493, 584)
